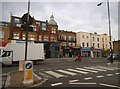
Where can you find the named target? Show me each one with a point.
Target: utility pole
(108, 9)
(26, 38)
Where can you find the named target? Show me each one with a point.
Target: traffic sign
(28, 66)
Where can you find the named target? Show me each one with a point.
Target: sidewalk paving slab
(15, 79)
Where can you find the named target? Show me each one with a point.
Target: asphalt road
(69, 73)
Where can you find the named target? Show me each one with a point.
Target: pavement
(15, 80)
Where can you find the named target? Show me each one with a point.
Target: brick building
(67, 40)
(116, 46)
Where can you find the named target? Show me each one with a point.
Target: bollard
(28, 73)
(21, 65)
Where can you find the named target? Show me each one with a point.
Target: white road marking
(83, 83)
(56, 84)
(37, 76)
(67, 72)
(109, 85)
(87, 70)
(105, 68)
(54, 74)
(88, 78)
(117, 73)
(100, 76)
(71, 81)
(78, 71)
(94, 68)
(109, 74)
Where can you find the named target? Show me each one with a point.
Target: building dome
(52, 21)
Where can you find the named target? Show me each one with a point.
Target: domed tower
(53, 29)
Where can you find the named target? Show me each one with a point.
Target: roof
(52, 21)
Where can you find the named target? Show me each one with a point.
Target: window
(53, 30)
(98, 45)
(18, 25)
(73, 44)
(70, 44)
(32, 37)
(106, 45)
(103, 46)
(1, 34)
(38, 23)
(82, 36)
(53, 39)
(46, 38)
(44, 26)
(64, 44)
(87, 37)
(16, 36)
(64, 37)
(87, 44)
(69, 38)
(17, 20)
(34, 28)
(93, 44)
(106, 39)
(23, 36)
(40, 38)
(98, 39)
(93, 39)
(102, 39)
(83, 44)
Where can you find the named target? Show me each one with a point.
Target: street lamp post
(108, 8)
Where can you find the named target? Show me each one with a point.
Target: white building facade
(92, 44)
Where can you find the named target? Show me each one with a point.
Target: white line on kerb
(71, 81)
(56, 84)
(109, 85)
(82, 83)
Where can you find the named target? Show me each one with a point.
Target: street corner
(15, 79)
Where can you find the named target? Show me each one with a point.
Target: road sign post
(28, 73)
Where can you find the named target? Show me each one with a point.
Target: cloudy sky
(70, 16)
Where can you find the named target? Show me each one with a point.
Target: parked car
(116, 56)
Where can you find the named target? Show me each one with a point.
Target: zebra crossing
(77, 71)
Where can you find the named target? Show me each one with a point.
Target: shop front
(86, 52)
(97, 52)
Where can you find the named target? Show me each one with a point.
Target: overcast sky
(70, 16)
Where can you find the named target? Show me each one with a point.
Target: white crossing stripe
(109, 74)
(87, 70)
(56, 84)
(67, 72)
(54, 74)
(78, 71)
(99, 76)
(88, 78)
(105, 68)
(71, 81)
(83, 83)
(117, 73)
(94, 68)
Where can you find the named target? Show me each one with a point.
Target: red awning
(3, 43)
